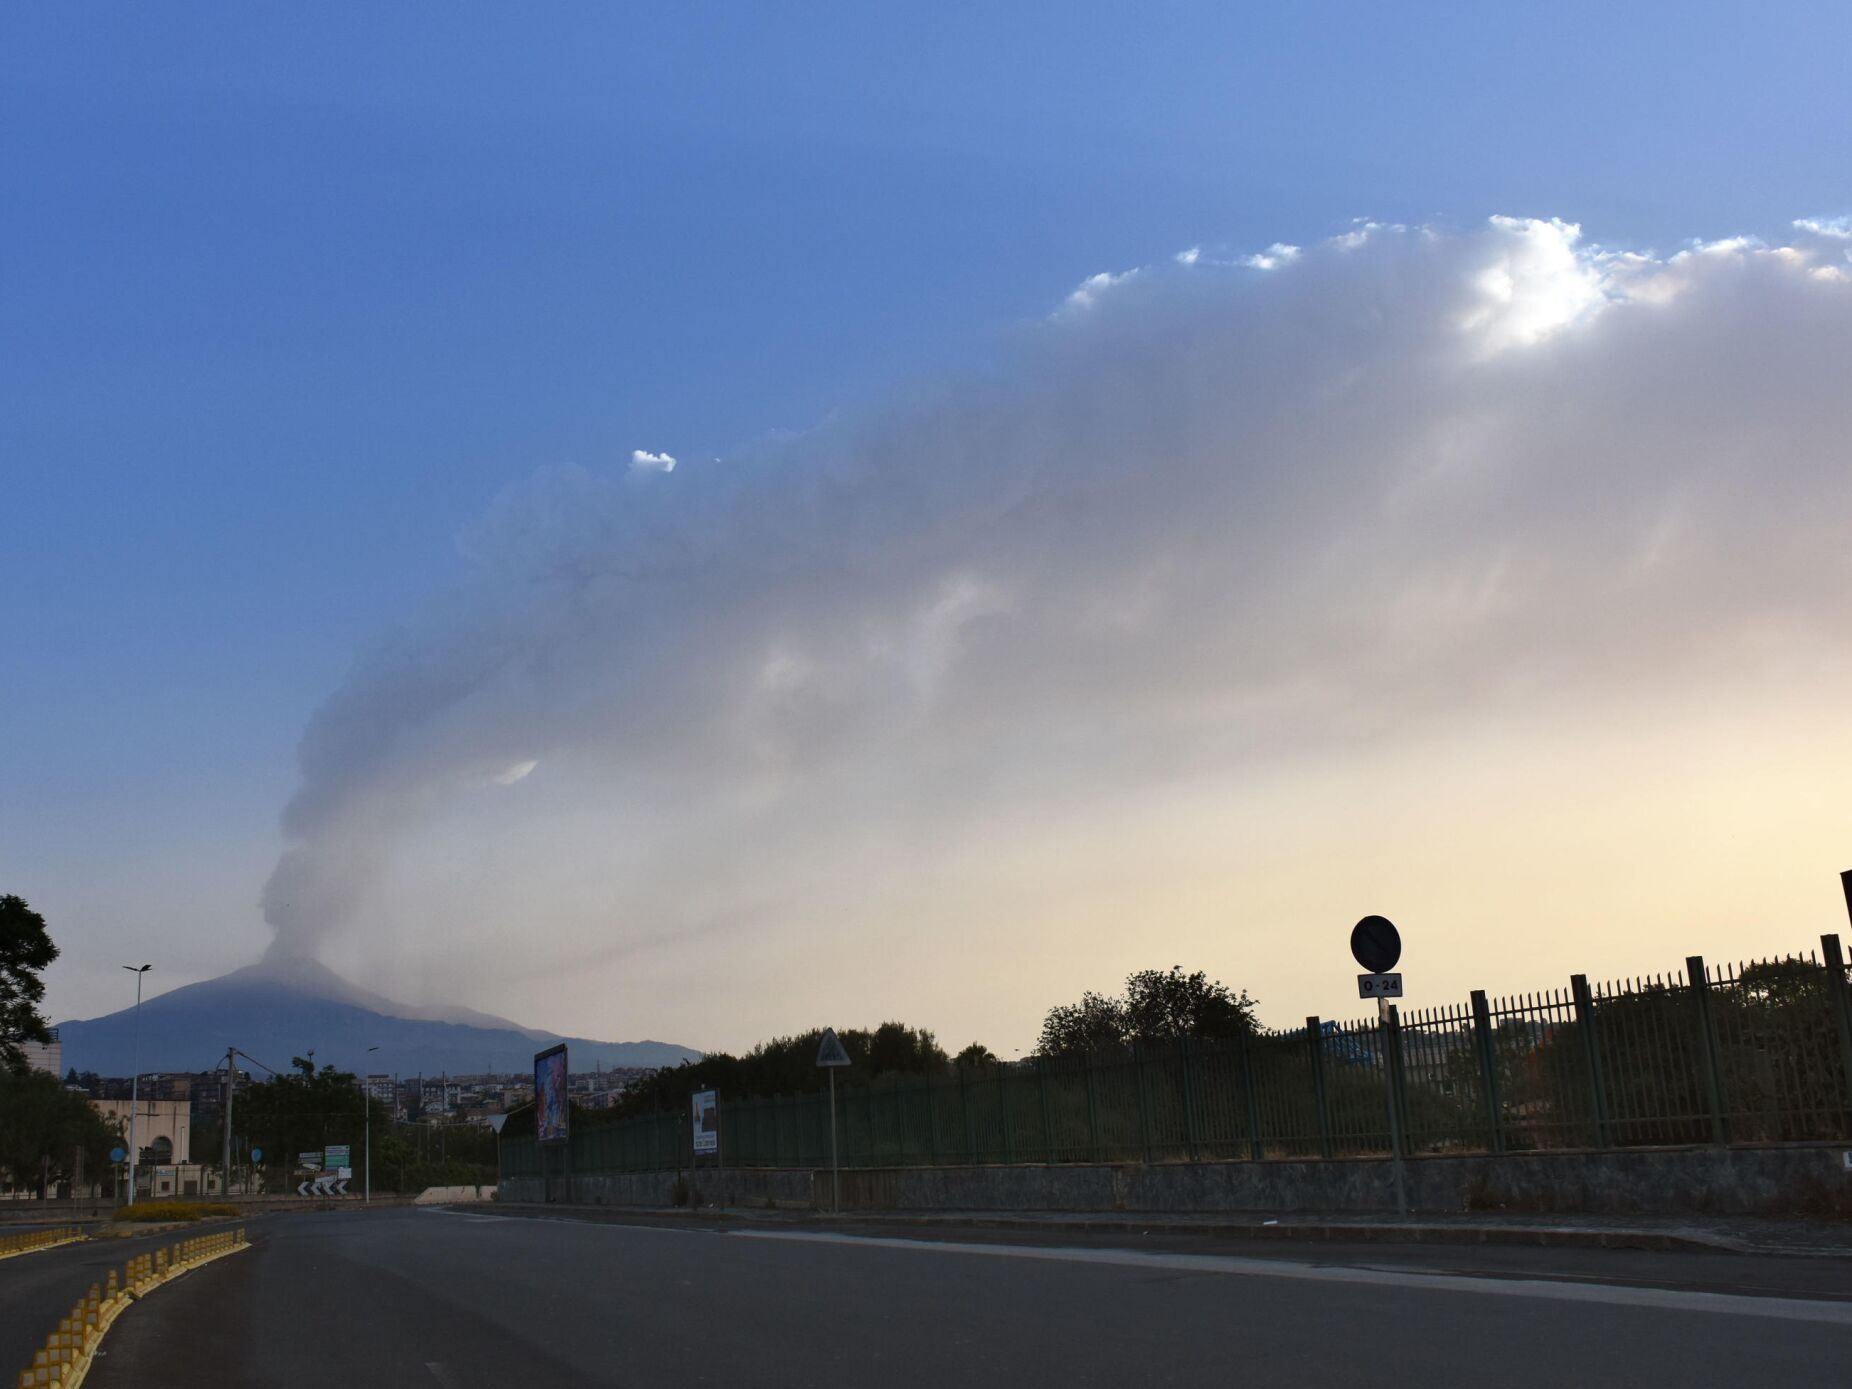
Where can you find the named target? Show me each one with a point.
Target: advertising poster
(552, 1114)
(706, 1122)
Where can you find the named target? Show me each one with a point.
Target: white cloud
(1212, 528)
(643, 461)
(1276, 255)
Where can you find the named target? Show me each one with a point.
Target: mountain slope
(283, 1008)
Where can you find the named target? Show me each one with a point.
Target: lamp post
(135, 1080)
(366, 1098)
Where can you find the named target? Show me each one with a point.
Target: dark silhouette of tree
(1163, 1006)
(25, 950)
(783, 1066)
(1160, 1008)
(42, 1125)
(1089, 1025)
(975, 1055)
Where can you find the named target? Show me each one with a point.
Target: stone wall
(1789, 1179)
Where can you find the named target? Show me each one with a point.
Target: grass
(175, 1210)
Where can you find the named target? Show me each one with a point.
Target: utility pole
(135, 1080)
(231, 1086)
(366, 1098)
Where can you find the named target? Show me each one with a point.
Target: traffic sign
(830, 1050)
(1376, 944)
(118, 1154)
(337, 1155)
(257, 1155)
(706, 1122)
(1379, 986)
(309, 1162)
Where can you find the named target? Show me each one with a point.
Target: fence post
(1700, 985)
(1591, 1056)
(964, 1104)
(1315, 1036)
(1256, 1149)
(1048, 1123)
(1093, 1107)
(1842, 1004)
(1488, 1069)
(1190, 1067)
(1398, 1118)
(1392, 1065)
(932, 1124)
(1144, 1104)
(1003, 1112)
(874, 1159)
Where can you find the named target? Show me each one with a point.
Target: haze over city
(992, 554)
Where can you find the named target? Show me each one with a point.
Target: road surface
(458, 1299)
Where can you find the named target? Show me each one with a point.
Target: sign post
(553, 1112)
(706, 1137)
(1377, 946)
(831, 1054)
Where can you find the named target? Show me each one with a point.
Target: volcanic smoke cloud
(1215, 510)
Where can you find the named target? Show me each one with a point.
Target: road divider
(33, 1240)
(70, 1350)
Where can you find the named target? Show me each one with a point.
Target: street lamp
(135, 1080)
(366, 1098)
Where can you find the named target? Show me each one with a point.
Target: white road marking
(441, 1375)
(1603, 1294)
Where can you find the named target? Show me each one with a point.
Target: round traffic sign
(118, 1154)
(1376, 944)
(257, 1155)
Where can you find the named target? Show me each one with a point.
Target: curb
(1534, 1236)
(71, 1350)
(1562, 1237)
(32, 1241)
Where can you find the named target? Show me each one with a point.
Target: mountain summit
(287, 1006)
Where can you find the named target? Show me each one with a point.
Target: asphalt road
(37, 1289)
(460, 1300)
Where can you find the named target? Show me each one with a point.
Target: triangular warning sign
(829, 1050)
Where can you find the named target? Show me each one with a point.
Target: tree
(783, 1066)
(1160, 1008)
(25, 950)
(977, 1054)
(1095, 1022)
(42, 1125)
(1167, 1006)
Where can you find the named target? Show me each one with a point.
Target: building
(163, 1128)
(46, 1056)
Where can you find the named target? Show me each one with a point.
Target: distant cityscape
(170, 1106)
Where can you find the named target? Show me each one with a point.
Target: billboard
(552, 1111)
(706, 1122)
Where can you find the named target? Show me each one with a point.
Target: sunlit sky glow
(698, 530)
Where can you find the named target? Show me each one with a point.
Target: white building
(46, 1056)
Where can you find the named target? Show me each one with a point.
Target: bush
(175, 1210)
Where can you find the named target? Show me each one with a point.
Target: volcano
(283, 1008)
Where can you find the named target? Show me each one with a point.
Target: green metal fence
(1750, 1054)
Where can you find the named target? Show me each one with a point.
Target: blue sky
(286, 303)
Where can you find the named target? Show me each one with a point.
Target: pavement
(1738, 1234)
(479, 1296)
(37, 1289)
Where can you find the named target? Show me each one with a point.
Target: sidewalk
(1718, 1234)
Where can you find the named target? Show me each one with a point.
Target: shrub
(175, 1210)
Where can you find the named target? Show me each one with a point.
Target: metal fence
(1752, 1054)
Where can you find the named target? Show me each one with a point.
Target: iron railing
(1756, 1053)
